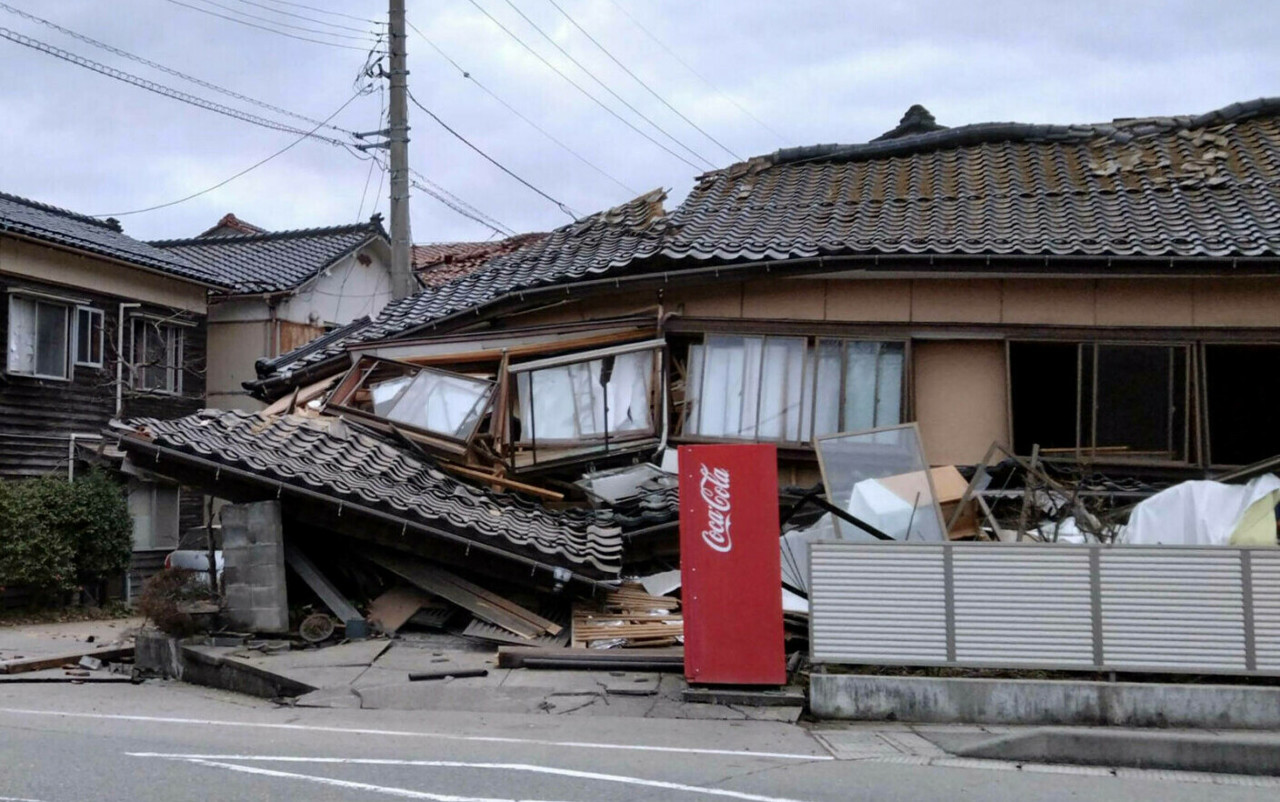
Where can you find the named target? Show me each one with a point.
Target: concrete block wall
(253, 575)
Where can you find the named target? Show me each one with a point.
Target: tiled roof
(275, 261)
(326, 456)
(439, 263)
(61, 227)
(590, 245)
(1207, 186)
(1185, 187)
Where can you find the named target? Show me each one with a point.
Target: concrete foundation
(999, 701)
(253, 576)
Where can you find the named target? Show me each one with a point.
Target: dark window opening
(1107, 400)
(1044, 394)
(1242, 426)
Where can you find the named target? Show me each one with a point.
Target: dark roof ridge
(48, 207)
(1121, 130)
(374, 227)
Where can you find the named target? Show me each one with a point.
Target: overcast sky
(809, 71)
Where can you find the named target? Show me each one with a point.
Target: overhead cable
(479, 215)
(467, 74)
(303, 17)
(192, 79)
(290, 26)
(640, 81)
(161, 89)
(606, 87)
(782, 137)
(578, 86)
(263, 27)
(226, 181)
(325, 11)
(490, 159)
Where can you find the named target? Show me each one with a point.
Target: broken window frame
(806, 427)
(360, 372)
(596, 445)
(1086, 416)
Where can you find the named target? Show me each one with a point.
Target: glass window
(157, 356)
(439, 402)
(39, 338)
(88, 336)
(610, 396)
(791, 389)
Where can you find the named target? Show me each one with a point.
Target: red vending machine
(730, 565)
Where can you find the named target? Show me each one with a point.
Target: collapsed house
(1103, 294)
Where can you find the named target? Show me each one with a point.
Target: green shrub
(33, 553)
(56, 535)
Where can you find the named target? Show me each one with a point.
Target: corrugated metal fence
(1167, 609)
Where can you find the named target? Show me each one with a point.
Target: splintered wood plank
(23, 665)
(471, 597)
(392, 609)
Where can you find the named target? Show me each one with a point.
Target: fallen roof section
(329, 463)
(275, 261)
(438, 263)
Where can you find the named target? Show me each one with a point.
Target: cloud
(816, 70)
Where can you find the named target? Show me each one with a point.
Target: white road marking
(408, 734)
(458, 764)
(377, 789)
(17, 799)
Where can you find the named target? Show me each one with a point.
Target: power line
(290, 26)
(303, 17)
(490, 159)
(606, 87)
(161, 89)
(783, 137)
(479, 216)
(224, 182)
(263, 27)
(325, 11)
(470, 77)
(640, 81)
(125, 54)
(578, 86)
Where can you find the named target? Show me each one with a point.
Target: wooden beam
(22, 666)
(502, 481)
(330, 595)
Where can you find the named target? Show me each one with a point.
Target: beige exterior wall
(29, 260)
(959, 386)
(960, 398)
(233, 348)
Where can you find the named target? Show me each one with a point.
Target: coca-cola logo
(714, 488)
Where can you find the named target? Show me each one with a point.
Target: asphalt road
(168, 741)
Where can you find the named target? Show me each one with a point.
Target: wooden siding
(38, 416)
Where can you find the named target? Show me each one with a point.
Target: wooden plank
(24, 665)
(318, 582)
(502, 481)
(473, 598)
(392, 609)
(304, 395)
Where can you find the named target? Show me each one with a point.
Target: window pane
(692, 389)
(51, 340)
(22, 335)
(386, 393)
(1136, 399)
(889, 385)
(88, 336)
(568, 402)
(781, 389)
(724, 374)
(861, 360)
(441, 403)
(826, 407)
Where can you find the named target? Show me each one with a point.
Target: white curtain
(439, 402)
(568, 403)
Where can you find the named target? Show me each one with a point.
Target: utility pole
(402, 280)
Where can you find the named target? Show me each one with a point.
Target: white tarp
(1207, 513)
